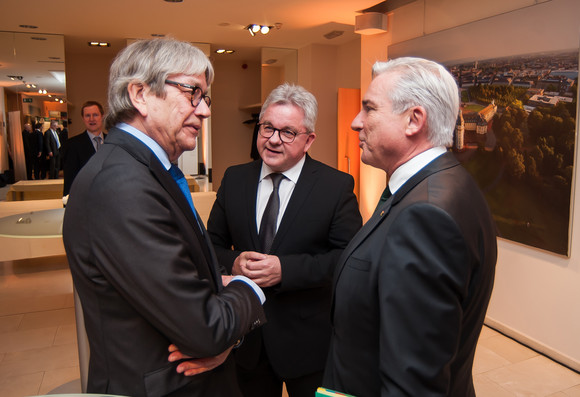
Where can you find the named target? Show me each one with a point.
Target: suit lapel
(251, 196)
(303, 187)
(442, 162)
(143, 154)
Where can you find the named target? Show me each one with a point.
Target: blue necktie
(182, 183)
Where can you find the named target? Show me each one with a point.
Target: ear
(310, 139)
(417, 120)
(138, 95)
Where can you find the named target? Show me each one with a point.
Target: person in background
(141, 261)
(28, 155)
(52, 148)
(293, 254)
(412, 287)
(36, 150)
(80, 148)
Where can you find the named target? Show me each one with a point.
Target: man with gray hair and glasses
(283, 221)
(412, 287)
(141, 260)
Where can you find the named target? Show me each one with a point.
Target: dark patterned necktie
(270, 217)
(385, 196)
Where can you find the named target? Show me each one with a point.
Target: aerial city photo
(516, 134)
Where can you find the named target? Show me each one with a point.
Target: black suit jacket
(76, 153)
(321, 217)
(147, 277)
(412, 289)
(50, 143)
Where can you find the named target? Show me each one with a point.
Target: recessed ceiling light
(157, 35)
(224, 51)
(28, 26)
(99, 44)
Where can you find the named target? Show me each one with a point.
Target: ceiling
(38, 52)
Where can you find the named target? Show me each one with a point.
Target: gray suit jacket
(147, 277)
(412, 289)
(321, 218)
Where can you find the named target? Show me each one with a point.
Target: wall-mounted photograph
(516, 134)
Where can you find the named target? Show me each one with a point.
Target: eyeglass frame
(194, 89)
(280, 132)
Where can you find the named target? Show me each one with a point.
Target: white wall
(536, 298)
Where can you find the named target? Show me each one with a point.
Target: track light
(255, 28)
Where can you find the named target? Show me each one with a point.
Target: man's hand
(266, 272)
(242, 260)
(198, 365)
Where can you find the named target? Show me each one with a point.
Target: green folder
(321, 392)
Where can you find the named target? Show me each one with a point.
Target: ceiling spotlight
(254, 28)
(13, 78)
(224, 51)
(28, 26)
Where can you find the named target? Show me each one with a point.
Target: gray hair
(150, 62)
(290, 94)
(428, 84)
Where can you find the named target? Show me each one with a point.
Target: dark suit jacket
(50, 143)
(147, 277)
(321, 217)
(412, 289)
(77, 151)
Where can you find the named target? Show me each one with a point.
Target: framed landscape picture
(516, 131)
(516, 135)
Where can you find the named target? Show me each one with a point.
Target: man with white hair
(412, 287)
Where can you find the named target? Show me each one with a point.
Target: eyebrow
(366, 102)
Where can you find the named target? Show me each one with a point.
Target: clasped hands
(264, 270)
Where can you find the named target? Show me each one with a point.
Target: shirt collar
(411, 167)
(292, 174)
(92, 136)
(147, 141)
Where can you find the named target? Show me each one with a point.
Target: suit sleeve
(219, 229)
(423, 279)
(314, 267)
(141, 249)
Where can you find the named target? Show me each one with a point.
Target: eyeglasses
(286, 135)
(196, 93)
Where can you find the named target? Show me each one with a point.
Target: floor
(38, 350)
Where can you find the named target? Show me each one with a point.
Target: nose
(202, 110)
(275, 138)
(357, 123)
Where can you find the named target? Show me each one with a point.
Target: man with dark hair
(80, 148)
(141, 261)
